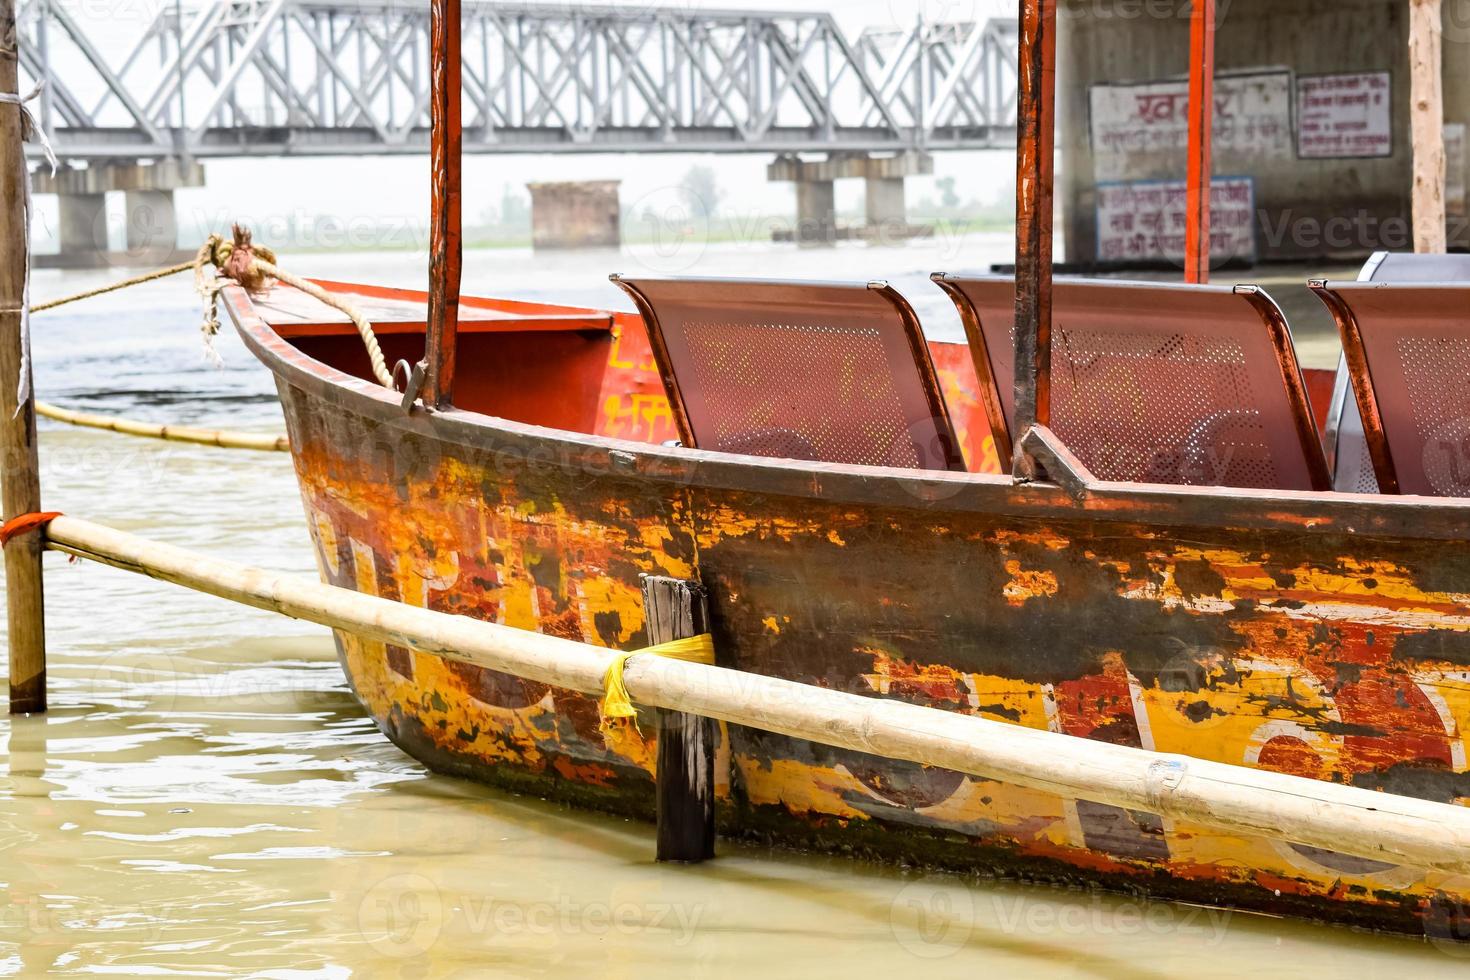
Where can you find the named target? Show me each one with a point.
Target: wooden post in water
(685, 771)
(1426, 117)
(1201, 135)
(1035, 135)
(21, 477)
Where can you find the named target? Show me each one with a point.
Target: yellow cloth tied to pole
(615, 701)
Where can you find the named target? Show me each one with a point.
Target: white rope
(29, 129)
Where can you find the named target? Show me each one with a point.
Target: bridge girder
(327, 77)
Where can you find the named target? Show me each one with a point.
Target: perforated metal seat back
(1155, 383)
(814, 371)
(1409, 349)
(1352, 463)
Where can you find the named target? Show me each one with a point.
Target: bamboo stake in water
(21, 491)
(1226, 799)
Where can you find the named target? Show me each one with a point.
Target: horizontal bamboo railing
(223, 438)
(1224, 798)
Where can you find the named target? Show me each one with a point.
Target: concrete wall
(1111, 41)
(576, 214)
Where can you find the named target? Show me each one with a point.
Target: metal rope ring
(409, 380)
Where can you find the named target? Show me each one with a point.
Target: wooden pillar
(1201, 125)
(20, 484)
(1035, 139)
(1426, 100)
(685, 770)
(445, 248)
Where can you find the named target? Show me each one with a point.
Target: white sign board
(1142, 131)
(1342, 116)
(1144, 220)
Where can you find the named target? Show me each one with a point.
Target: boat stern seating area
(829, 372)
(1413, 443)
(1157, 383)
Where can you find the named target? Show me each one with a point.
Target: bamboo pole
(1226, 799)
(1426, 100)
(223, 438)
(21, 492)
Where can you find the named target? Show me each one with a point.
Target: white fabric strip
(30, 130)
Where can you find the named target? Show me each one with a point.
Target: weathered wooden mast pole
(1201, 125)
(21, 478)
(1426, 115)
(1035, 135)
(445, 247)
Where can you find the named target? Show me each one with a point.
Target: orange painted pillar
(1201, 124)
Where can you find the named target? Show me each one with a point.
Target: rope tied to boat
(242, 262)
(31, 131)
(25, 524)
(616, 703)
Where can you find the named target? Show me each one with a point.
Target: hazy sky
(391, 189)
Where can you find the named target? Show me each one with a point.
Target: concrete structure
(887, 216)
(1312, 117)
(150, 217)
(576, 214)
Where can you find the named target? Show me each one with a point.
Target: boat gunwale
(929, 491)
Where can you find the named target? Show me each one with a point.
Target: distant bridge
(312, 77)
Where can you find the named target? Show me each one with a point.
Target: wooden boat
(1316, 633)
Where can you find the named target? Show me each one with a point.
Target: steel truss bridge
(313, 77)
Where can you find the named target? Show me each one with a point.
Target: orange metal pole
(1035, 135)
(1201, 125)
(445, 246)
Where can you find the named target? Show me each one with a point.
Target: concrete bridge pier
(150, 216)
(887, 204)
(816, 197)
(816, 211)
(82, 223)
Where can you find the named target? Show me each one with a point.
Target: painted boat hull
(1323, 637)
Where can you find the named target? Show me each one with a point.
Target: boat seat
(1406, 351)
(1156, 383)
(828, 372)
(1352, 465)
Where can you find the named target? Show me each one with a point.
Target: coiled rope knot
(242, 262)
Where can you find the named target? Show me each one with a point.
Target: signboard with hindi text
(1144, 220)
(1141, 131)
(1345, 116)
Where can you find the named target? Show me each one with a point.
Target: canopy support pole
(1426, 103)
(1201, 125)
(25, 609)
(445, 246)
(1035, 139)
